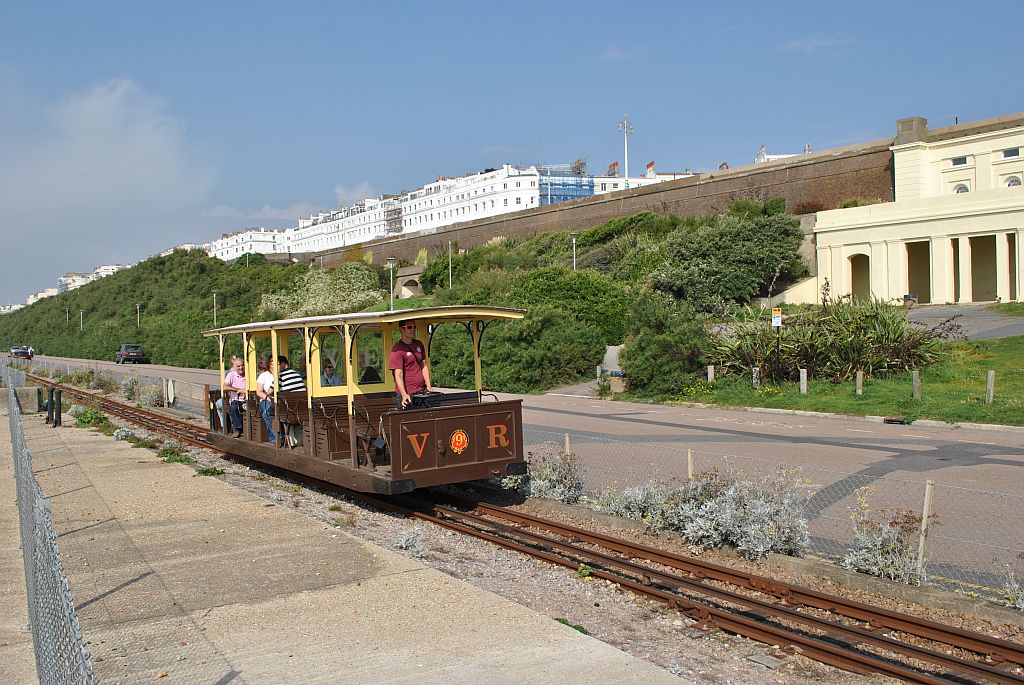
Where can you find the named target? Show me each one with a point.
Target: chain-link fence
(61, 656)
(974, 539)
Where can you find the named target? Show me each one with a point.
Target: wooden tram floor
(189, 580)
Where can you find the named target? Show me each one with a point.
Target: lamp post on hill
(391, 269)
(449, 265)
(138, 315)
(214, 308)
(573, 236)
(80, 319)
(67, 312)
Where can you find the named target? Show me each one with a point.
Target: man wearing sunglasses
(408, 362)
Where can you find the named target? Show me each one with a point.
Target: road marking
(977, 442)
(911, 435)
(857, 430)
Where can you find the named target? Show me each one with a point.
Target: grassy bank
(1009, 308)
(952, 390)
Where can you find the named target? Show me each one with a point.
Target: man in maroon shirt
(409, 363)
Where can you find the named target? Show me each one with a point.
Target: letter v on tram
(346, 428)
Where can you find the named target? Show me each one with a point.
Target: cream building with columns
(955, 232)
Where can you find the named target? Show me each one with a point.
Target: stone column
(1003, 267)
(966, 280)
(1019, 271)
(941, 263)
(897, 279)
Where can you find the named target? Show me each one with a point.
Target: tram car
(352, 433)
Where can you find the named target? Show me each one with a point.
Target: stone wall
(813, 182)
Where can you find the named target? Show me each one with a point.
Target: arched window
(961, 188)
(1013, 182)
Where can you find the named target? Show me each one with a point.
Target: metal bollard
(57, 408)
(49, 405)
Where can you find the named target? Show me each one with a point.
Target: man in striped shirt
(288, 377)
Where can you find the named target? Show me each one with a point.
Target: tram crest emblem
(459, 441)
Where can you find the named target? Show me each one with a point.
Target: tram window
(331, 350)
(370, 360)
(296, 354)
(262, 343)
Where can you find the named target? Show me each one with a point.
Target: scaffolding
(564, 182)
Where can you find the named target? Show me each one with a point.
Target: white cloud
(815, 43)
(265, 213)
(105, 174)
(348, 195)
(614, 54)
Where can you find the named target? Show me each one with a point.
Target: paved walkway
(187, 580)
(979, 323)
(17, 660)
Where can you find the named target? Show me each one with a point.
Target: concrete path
(978, 322)
(183, 579)
(17, 659)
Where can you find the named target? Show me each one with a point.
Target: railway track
(843, 633)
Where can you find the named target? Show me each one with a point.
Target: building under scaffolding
(564, 182)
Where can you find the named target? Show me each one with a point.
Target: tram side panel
(455, 444)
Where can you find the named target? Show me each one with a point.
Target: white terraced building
(441, 203)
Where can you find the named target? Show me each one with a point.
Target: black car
(130, 353)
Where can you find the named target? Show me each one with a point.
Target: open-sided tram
(352, 434)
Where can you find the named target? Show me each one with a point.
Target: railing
(973, 541)
(61, 655)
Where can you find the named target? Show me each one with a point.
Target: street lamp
(391, 270)
(449, 265)
(80, 319)
(626, 128)
(138, 316)
(214, 308)
(573, 236)
(67, 312)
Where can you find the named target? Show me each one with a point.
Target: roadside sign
(776, 317)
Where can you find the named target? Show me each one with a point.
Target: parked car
(21, 352)
(130, 353)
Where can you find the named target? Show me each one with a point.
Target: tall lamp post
(67, 312)
(138, 316)
(449, 265)
(80, 319)
(391, 270)
(573, 236)
(214, 308)
(626, 128)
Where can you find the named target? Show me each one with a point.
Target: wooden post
(163, 391)
(711, 373)
(860, 383)
(755, 374)
(803, 381)
(689, 464)
(206, 394)
(990, 387)
(915, 376)
(568, 448)
(926, 513)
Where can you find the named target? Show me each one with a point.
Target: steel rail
(996, 649)
(649, 577)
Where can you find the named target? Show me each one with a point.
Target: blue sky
(128, 127)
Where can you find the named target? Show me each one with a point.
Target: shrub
(555, 474)
(809, 207)
(884, 544)
(732, 259)
(591, 297)
(756, 517)
(663, 348)
(845, 337)
(130, 386)
(104, 381)
(91, 418)
(151, 396)
(174, 453)
(1012, 591)
(123, 434)
(349, 288)
(412, 543)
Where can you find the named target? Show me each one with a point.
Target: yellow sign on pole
(776, 317)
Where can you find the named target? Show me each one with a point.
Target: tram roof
(430, 314)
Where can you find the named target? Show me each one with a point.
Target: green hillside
(176, 297)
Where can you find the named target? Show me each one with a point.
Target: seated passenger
(234, 385)
(265, 393)
(289, 377)
(370, 375)
(329, 377)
